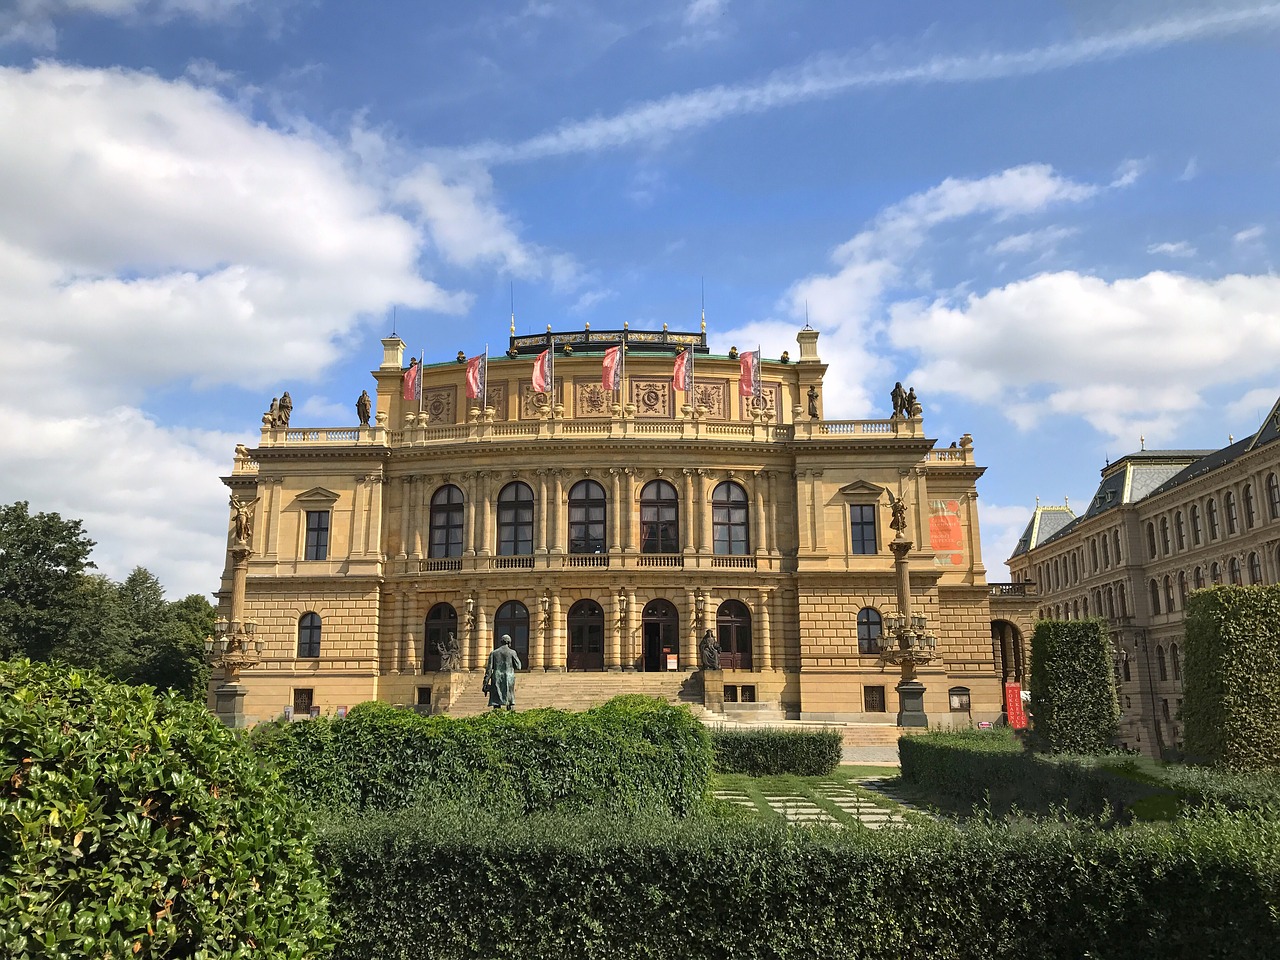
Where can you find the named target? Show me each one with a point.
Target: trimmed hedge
(1073, 689)
(631, 754)
(463, 884)
(971, 770)
(767, 751)
(135, 825)
(1231, 677)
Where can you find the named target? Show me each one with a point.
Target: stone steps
(576, 691)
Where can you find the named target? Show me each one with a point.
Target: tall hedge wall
(1073, 689)
(633, 753)
(766, 751)
(1231, 676)
(454, 885)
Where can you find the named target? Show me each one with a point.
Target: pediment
(861, 488)
(318, 495)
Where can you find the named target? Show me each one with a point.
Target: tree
(42, 560)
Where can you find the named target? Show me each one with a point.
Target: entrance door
(733, 630)
(586, 636)
(661, 631)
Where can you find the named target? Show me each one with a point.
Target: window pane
(317, 546)
(863, 529)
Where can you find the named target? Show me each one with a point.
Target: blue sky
(1058, 221)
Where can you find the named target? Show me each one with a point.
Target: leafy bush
(1073, 690)
(632, 753)
(454, 883)
(767, 751)
(1231, 676)
(135, 825)
(976, 770)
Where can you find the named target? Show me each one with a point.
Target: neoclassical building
(1162, 524)
(606, 531)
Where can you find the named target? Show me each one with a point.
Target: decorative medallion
(770, 397)
(437, 405)
(652, 398)
(714, 396)
(591, 399)
(533, 405)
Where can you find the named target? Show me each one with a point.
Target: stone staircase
(577, 691)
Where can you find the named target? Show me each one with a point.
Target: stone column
(612, 634)
(274, 490)
(804, 514)
(689, 629)
(615, 510)
(485, 506)
(406, 496)
(558, 657)
(626, 511)
(558, 529)
(540, 527)
(686, 514)
(628, 641)
(706, 538)
(818, 510)
(764, 645)
(471, 486)
(420, 485)
(373, 520)
(771, 518)
(757, 514)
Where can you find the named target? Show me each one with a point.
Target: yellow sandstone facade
(607, 531)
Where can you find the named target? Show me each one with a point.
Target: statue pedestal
(911, 704)
(228, 705)
(713, 690)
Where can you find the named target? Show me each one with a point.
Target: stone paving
(853, 803)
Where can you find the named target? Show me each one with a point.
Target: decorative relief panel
(590, 399)
(496, 397)
(714, 395)
(652, 398)
(770, 397)
(439, 405)
(533, 405)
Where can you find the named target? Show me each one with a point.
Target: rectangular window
(873, 699)
(863, 528)
(730, 693)
(317, 535)
(303, 700)
(749, 693)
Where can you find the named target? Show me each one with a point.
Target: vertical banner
(749, 378)
(684, 370)
(477, 374)
(413, 381)
(542, 372)
(612, 373)
(1013, 706)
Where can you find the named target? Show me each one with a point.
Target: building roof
(1046, 523)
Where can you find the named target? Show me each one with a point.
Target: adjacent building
(606, 530)
(1162, 524)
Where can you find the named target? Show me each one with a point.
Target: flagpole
(421, 359)
(484, 381)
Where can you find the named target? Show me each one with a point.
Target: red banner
(684, 370)
(542, 372)
(612, 373)
(477, 373)
(413, 381)
(749, 378)
(1013, 706)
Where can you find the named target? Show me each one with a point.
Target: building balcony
(723, 565)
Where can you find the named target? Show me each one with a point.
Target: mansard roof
(1046, 522)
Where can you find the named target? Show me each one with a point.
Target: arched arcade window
(587, 514)
(659, 518)
(515, 520)
(733, 630)
(730, 531)
(512, 619)
(446, 522)
(442, 620)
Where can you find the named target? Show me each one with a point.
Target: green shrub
(980, 770)
(768, 751)
(1073, 690)
(135, 825)
(1231, 677)
(632, 753)
(451, 883)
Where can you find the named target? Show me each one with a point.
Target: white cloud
(702, 22)
(825, 77)
(33, 22)
(1179, 249)
(1128, 173)
(1042, 242)
(1190, 171)
(1253, 406)
(1250, 234)
(1130, 356)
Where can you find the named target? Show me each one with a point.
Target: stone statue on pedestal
(363, 408)
(709, 651)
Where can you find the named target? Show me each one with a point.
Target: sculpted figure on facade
(898, 508)
(813, 402)
(500, 675)
(913, 405)
(450, 653)
(285, 410)
(709, 651)
(364, 407)
(242, 518)
(899, 398)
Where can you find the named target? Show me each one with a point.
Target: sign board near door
(673, 661)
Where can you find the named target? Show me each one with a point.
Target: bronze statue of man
(500, 675)
(899, 398)
(364, 407)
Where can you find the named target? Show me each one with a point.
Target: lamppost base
(228, 705)
(911, 704)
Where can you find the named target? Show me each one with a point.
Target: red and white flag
(477, 375)
(749, 378)
(542, 372)
(612, 374)
(412, 381)
(684, 370)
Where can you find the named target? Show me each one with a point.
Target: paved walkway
(873, 812)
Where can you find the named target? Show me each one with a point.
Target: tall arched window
(1155, 597)
(1151, 540)
(446, 522)
(1215, 573)
(1176, 661)
(1229, 506)
(512, 620)
(1093, 554)
(587, 517)
(1106, 551)
(870, 628)
(515, 520)
(1124, 666)
(659, 518)
(1182, 589)
(1195, 525)
(1168, 594)
(1179, 531)
(733, 630)
(1115, 541)
(1197, 578)
(1075, 569)
(1211, 509)
(1164, 535)
(1234, 566)
(730, 532)
(586, 636)
(1122, 598)
(1273, 496)
(1255, 568)
(1250, 512)
(442, 620)
(1111, 603)
(309, 635)
(1161, 667)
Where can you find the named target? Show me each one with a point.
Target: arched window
(586, 636)
(512, 620)
(1255, 568)
(1111, 603)
(1197, 578)
(659, 518)
(446, 522)
(1273, 496)
(729, 520)
(1106, 552)
(587, 512)
(515, 520)
(1115, 541)
(1211, 509)
(733, 630)
(309, 635)
(1250, 513)
(1179, 531)
(870, 627)
(1057, 576)
(1229, 505)
(1122, 598)
(1215, 573)
(442, 620)
(1075, 569)
(1085, 601)
(1176, 661)
(1234, 566)
(1182, 589)
(1195, 525)
(1164, 535)
(1124, 666)
(1151, 540)
(1155, 597)
(1075, 609)
(1168, 594)
(1093, 554)
(1161, 667)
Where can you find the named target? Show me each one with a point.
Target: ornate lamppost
(234, 645)
(910, 642)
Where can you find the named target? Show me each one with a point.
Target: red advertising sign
(1013, 706)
